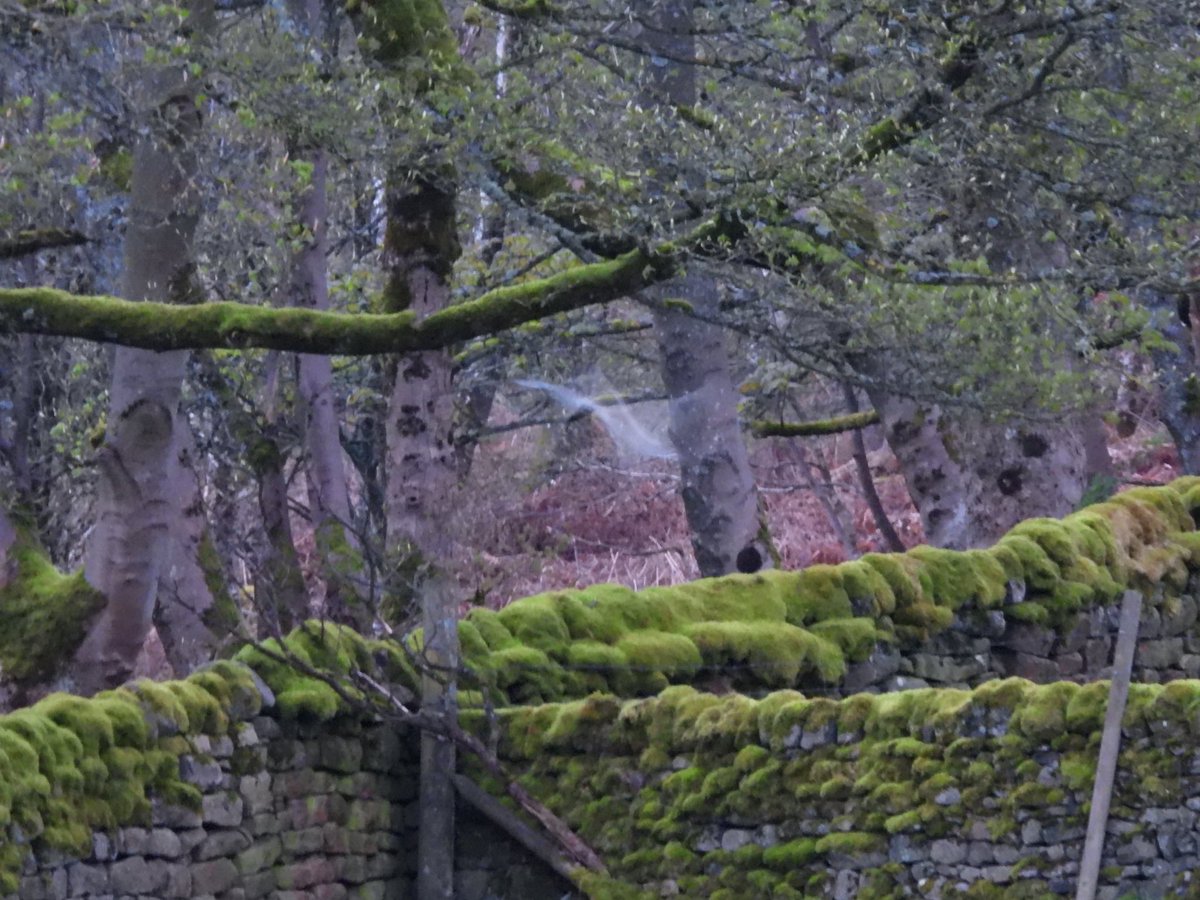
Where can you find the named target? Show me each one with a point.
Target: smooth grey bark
(135, 506)
(338, 547)
(718, 489)
(194, 613)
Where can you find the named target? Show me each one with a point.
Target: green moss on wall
(70, 766)
(781, 629)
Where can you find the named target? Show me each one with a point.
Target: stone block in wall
(1027, 665)
(87, 880)
(1179, 615)
(1069, 664)
(223, 842)
(266, 727)
(51, 884)
(223, 809)
(317, 810)
(305, 873)
(258, 884)
(302, 783)
(1073, 639)
(138, 875)
(340, 754)
(262, 854)
(215, 875)
(286, 754)
(261, 824)
(256, 793)
(1028, 638)
(304, 841)
(161, 842)
(1150, 625)
(1159, 654)
(169, 815)
(329, 892)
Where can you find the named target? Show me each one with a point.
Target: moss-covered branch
(162, 326)
(26, 243)
(835, 425)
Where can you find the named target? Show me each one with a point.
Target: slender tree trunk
(867, 481)
(720, 498)
(135, 508)
(420, 250)
(338, 547)
(195, 614)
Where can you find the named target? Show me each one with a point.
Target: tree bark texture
(338, 549)
(719, 494)
(194, 613)
(420, 250)
(136, 510)
(972, 481)
(718, 487)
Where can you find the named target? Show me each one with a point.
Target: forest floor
(551, 510)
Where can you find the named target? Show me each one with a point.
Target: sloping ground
(781, 629)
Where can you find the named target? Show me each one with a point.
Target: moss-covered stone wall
(248, 780)
(933, 792)
(201, 788)
(1041, 603)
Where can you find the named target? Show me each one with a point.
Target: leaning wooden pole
(1110, 746)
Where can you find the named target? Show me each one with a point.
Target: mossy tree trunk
(720, 497)
(420, 248)
(136, 509)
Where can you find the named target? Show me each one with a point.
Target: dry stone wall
(285, 811)
(935, 792)
(980, 645)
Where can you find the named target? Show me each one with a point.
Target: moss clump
(774, 653)
(70, 766)
(334, 649)
(43, 615)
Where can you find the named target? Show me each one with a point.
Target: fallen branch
(26, 243)
(835, 425)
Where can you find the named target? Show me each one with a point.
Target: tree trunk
(338, 547)
(195, 614)
(1177, 366)
(135, 507)
(718, 489)
(420, 250)
(280, 591)
(972, 480)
